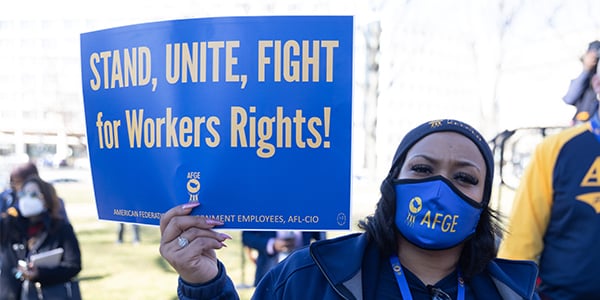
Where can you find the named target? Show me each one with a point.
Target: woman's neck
(429, 266)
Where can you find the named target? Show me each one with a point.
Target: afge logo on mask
(446, 222)
(414, 207)
(435, 216)
(429, 219)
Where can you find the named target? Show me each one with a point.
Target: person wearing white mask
(17, 177)
(35, 225)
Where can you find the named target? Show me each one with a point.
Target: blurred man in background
(275, 246)
(555, 217)
(580, 93)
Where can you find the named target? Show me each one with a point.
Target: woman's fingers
(179, 231)
(196, 225)
(198, 238)
(179, 210)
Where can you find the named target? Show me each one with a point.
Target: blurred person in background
(17, 177)
(580, 93)
(555, 218)
(135, 228)
(274, 246)
(35, 225)
(9, 196)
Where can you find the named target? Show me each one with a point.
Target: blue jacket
(332, 269)
(259, 239)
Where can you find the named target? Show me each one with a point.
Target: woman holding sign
(432, 236)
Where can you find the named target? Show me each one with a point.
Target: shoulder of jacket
(514, 276)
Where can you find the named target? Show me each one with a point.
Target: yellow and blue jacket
(555, 217)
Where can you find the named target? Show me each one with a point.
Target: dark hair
(380, 227)
(593, 46)
(48, 191)
(24, 171)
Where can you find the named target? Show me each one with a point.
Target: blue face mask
(432, 214)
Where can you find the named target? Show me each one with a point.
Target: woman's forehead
(448, 144)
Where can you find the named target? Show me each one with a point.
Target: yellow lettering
(173, 66)
(270, 132)
(105, 55)
(446, 224)
(263, 59)
(189, 62)
(308, 60)
(175, 131)
(313, 123)
(265, 131)
(454, 222)
(291, 71)
(216, 138)
(238, 122)
(299, 120)
(295, 60)
(426, 219)
(591, 177)
(230, 61)
(186, 130)
(329, 45)
(130, 62)
(436, 219)
(281, 123)
(216, 47)
(95, 83)
(149, 136)
(116, 71)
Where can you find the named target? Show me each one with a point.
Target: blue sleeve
(577, 87)
(258, 240)
(221, 288)
(320, 235)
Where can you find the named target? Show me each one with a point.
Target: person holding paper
(32, 228)
(432, 236)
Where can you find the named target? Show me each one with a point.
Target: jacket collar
(514, 279)
(336, 258)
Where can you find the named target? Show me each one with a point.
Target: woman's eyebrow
(433, 160)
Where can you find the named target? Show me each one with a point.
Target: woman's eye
(422, 169)
(467, 178)
(31, 195)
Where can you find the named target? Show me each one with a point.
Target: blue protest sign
(251, 116)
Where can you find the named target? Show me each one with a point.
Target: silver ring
(182, 241)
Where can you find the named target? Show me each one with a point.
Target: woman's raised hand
(188, 243)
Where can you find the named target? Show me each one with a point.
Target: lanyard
(405, 291)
